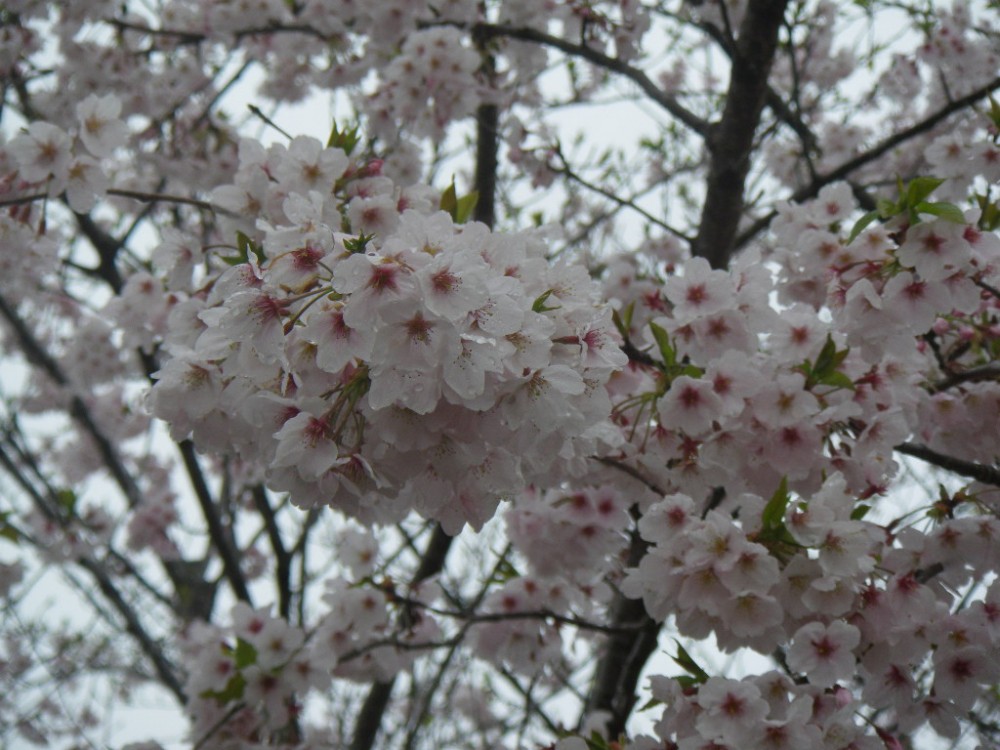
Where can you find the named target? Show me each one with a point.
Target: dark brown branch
(164, 669)
(369, 721)
(625, 654)
(980, 472)
(161, 198)
(184, 36)
(107, 248)
(613, 64)
(20, 200)
(774, 100)
(283, 560)
(572, 176)
(634, 473)
(218, 533)
(731, 141)
(989, 371)
(844, 170)
(78, 409)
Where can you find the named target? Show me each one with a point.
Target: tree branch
(164, 669)
(613, 64)
(730, 142)
(625, 653)
(369, 720)
(980, 472)
(78, 409)
(896, 139)
(220, 537)
(283, 560)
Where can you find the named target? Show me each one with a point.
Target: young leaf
(247, 248)
(663, 342)
(919, 188)
(67, 501)
(449, 200)
(466, 205)
(837, 380)
(860, 511)
(948, 211)
(245, 654)
(860, 224)
(689, 665)
(773, 517)
(345, 140)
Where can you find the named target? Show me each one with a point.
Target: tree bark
(730, 141)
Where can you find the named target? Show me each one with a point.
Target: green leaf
(449, 200)
(67, 500)
(233, 690)
(919, 188)
(651, 703)
(686, 681)
(539, 306)
(358, 244)
(860, 511)
(662, 338)
(825, 369)
(990, 218)
(994, 112)
(7, 531)
(466, 205)
(596, 742)
(246, 247)
(244, 654)
(689, 665)
(837, 380)
(345, 140)
(460, 209)
(886, 208)
(825, 362)
(860, 224)
(773, 517)
(620, 324)
(504, 572)
(948, 211)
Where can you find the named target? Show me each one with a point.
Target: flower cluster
(431, 365)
